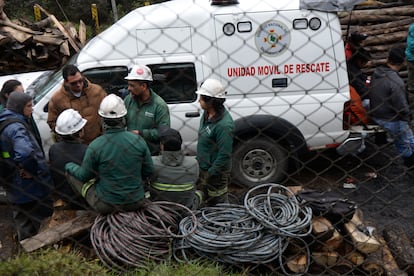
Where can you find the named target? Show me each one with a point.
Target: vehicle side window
(175, 82)
(112, 79)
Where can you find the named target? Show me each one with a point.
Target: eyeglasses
(74, 83)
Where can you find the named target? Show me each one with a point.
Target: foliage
(51, 262)
(59, 262)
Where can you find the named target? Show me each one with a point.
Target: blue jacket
(20, 145)
(409, 50)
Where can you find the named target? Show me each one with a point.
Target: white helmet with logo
(112, 107)
(212, 88)
(140, 72)
(69, 122)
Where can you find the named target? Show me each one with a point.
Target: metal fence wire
(287, 85)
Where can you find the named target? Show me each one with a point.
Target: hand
(135, 132)
(25, 174)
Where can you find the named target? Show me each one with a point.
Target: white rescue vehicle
(284, 69)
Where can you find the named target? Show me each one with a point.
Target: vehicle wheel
(258, 161)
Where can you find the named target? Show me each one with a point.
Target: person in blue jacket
(29, 192)
(409, 53)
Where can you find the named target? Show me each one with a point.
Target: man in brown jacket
(82, 95)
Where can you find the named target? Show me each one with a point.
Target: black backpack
(7, 166)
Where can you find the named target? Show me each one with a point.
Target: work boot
(409, 161)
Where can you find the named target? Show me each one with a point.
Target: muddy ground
(384, 188)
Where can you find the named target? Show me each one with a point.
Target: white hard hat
(212, 88)
(112, 107)
(139, 72)
(69, 122)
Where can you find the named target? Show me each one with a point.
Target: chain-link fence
(287, 81)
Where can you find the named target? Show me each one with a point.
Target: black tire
(257, 161)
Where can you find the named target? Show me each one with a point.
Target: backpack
(7, 166)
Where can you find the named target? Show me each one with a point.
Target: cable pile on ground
(258, 232)
(279, 210)
(227, 233)
(131, 239)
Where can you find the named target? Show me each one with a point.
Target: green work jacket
(147, 117)
(120, 160)
(215, 143)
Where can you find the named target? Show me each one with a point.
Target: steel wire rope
(281, 213)
(227, 233)
(131, 239)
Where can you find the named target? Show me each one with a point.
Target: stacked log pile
(351, 247)
(386, 26)
(27, 46)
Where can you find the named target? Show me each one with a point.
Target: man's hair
(69, 70)
(396, 55)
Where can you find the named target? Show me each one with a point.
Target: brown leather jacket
(87, 105)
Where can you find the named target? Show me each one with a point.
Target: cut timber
(400, 245)
(373, 263)
(327, 259)
(334, 242)
(19, 28)
(298, 264)
(19, 36)
(60, 27)
(322, 229)
(355, 257)
(390, 265)
(82, 33)
(59, 232)
(364, 243)
(295, 189)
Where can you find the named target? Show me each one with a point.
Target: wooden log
(400, 245)
(298, 264)
(390, 265)
(19, 28)
(372, 19)
(64, 49)
(356, 258)
(61, 28)
(326, 259)
(363, 242)
(42, 24)
(322, 229)
(386, 38)
(373, 263)
(334, 242)
(19, 36)
(343, 266)
(59, 232)
(48, 39)
(381, 26)
(406, 10)
(82, 33)
(4, 39)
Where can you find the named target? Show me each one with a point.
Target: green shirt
(215, 143)
(147, 117)
(119, 159)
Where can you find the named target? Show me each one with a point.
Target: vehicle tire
(257, 161)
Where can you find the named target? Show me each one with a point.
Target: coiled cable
(131, 239)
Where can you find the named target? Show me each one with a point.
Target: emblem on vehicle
(272, 38)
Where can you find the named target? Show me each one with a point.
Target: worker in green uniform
(215, 143)
(146, 110)
(118, 161)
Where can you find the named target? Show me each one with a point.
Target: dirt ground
(384, 189)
